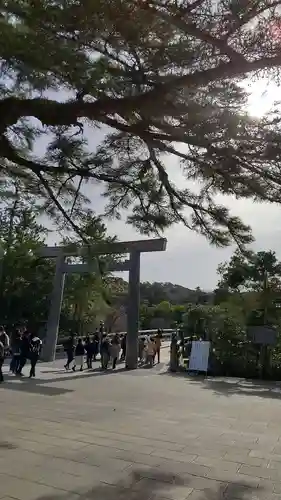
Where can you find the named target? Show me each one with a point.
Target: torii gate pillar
(133, 311)
(52, 330)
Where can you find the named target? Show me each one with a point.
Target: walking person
(105, 352)
(89, 352)
(123, 347)
(15, 348)
(24, 351)
(150, 351)
(69, 348)
(101, 330)
(79, 355)
(158, 338)
(4, 338)
(115, 350)
(35, 346)
(96, 344)
(2, 358)
(141, 350)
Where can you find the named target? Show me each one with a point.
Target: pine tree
(255, 279)
(164, 78)
(25, 279)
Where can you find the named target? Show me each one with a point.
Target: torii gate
(134, 248)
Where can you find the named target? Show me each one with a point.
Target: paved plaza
(138, 436)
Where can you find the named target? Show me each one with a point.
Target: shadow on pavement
(32, 386)
(257, 388)
(229, 387)
(40, 385)
(95, 372)
(154, 484)
(6, 445)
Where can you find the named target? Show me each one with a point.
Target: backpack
(35, 345)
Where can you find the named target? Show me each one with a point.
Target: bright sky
(263, 95)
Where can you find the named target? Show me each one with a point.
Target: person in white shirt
(4, 338)
(150, 351)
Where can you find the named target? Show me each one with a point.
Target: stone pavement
(142, 435)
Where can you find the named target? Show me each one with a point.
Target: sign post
(199, 356)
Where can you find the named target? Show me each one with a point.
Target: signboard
(199, 357)
(262, 335)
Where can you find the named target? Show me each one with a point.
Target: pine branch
(161, 77)
(53, 113)
(179, 20)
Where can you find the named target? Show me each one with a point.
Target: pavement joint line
(98, 429)
(35, 482)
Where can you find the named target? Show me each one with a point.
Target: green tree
(195, 321)
(257, 279)
(156, 75)
(226, 329)
(163, 310)
(88, 296)
(25, 280)
(153, 293)
(147, 313)
(177, 313)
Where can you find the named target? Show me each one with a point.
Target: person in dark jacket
(79, 355)
(35, 345)
(15, 348)
(115, 350)
(105, 352)
(141, 349)
(24, 351)
(4, 347)
(101, 329)
(123, 347)
(157, 341)
(89, 346)
(96, 346)
(69, 348)
(2, 358)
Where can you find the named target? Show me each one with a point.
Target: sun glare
(262, 97)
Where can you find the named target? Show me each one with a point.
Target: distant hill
(154, 293)
(151, 294)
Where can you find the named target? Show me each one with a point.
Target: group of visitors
(23, 346)
(81, 350)
(108, 348)
(75, 351)
(149, 349)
